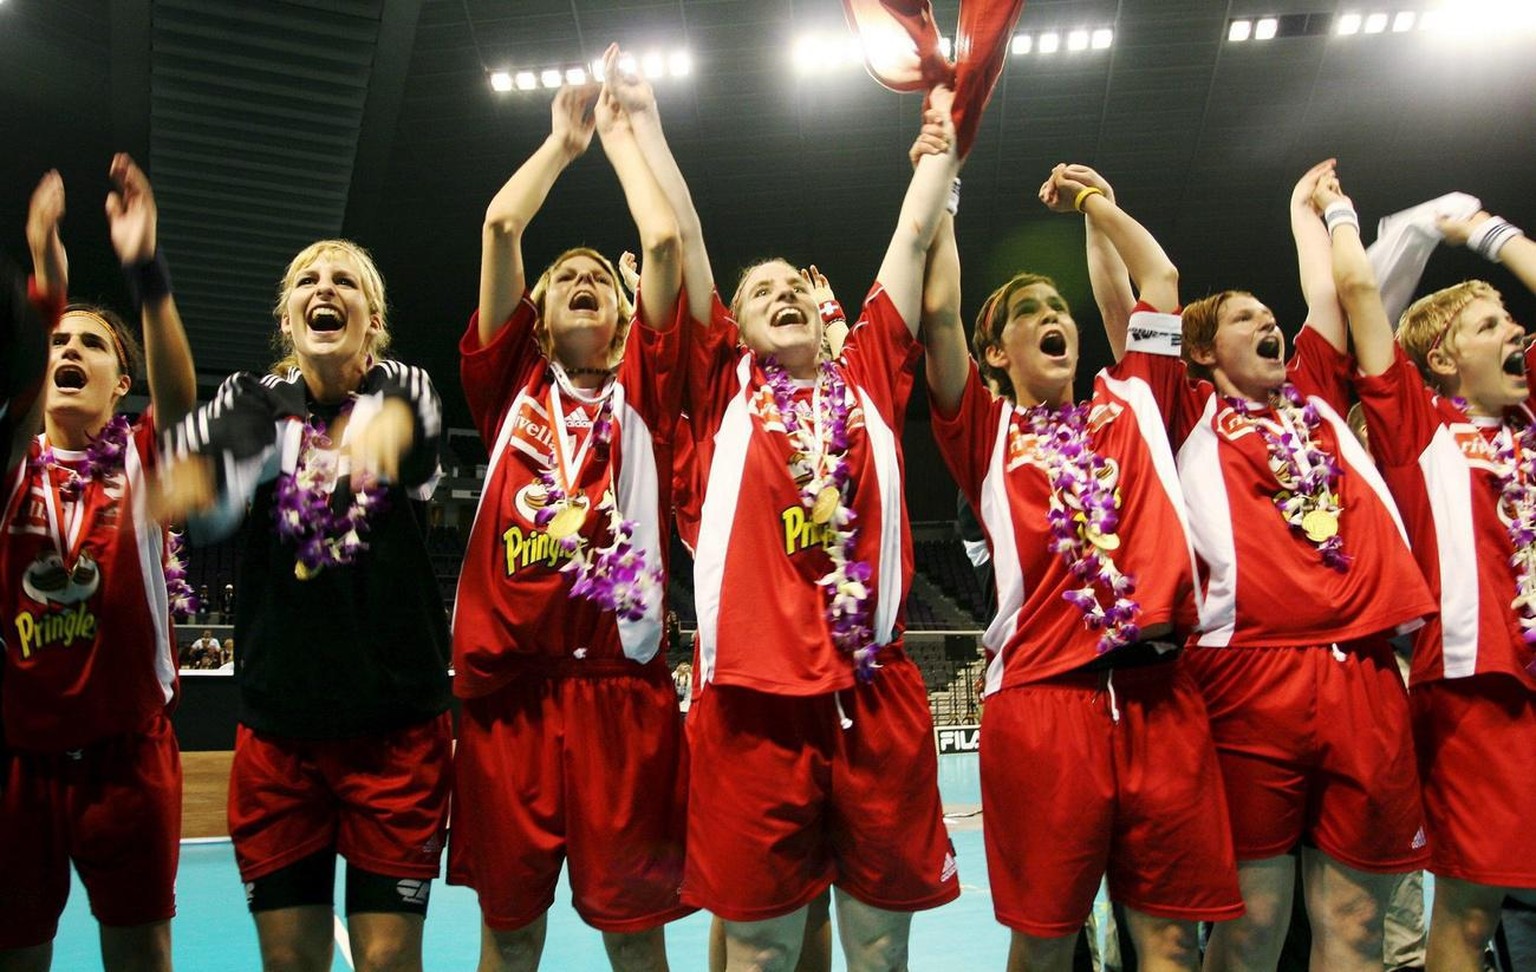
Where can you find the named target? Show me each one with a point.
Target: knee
(292, 957)
(882, 952)
(518, 948)
(638, 952)
(386, 957)
(1354, 921)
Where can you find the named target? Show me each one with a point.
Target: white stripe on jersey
(1205, 492)
(151, 550)
(997, 517)
(1448, 486)
(638, 495)
(718, 515)
(882, 449)
(1136, 393)
(503, 436)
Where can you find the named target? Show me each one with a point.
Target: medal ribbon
(57, 511)
(567, 468)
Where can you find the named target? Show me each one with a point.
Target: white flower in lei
(821, 458)
(1308, 497)
(1516, 477)
(1083, 521)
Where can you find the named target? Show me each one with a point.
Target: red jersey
(89, 650)
(1442, 467)
(513, 601)
(988, 445)
(1264, 583)
(762, 619)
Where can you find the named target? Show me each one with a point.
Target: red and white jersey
(995, 457)
(1264, 584)
(762, 619)
(513, 601)
(1441, 466)
(89, 643)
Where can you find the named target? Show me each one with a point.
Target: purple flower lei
(619, 576)
(1084, 523)
(183, 601)
(303, 512)
(1308, 476)
(1516, 476)
(820, 465)
(103, 458)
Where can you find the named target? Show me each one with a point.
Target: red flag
(901, 51)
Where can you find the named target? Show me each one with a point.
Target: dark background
(266, 124)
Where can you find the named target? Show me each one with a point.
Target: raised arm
(1353, 279)
(903, 269)
(1314, 259)
(639, 101)
(502, 274)
(132, 217)
(1154, 276)
(50, 262)
(1107, 274)
(1499, 243)
(660, 269)
(946, 361)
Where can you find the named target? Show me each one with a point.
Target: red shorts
(589, 769)
(380, 801)
(114, 809)
(1100, 773)
(1315, 744)
(1476, 739)
(784, 801)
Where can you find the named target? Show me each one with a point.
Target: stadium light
(1022, 44)
(501, 81)
(1266, 28)
(1103, 38)
(1349, 24)
(1077, 40)
(1240, 30)
(1376, 23)
(1403, 21)
(1050, 42)
(550, 78)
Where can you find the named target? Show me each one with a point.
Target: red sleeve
(1153, 341)
(652, 369)
(1400, 412)
(1318, 368)
(712, 351)
(881, 355)
(492, 373)
(966, 438)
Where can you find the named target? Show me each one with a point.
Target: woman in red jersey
(1450, 415)
(570, 747)
(91, 774)
(1097, 754)
(1305, 574)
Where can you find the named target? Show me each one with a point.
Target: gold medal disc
(826, 504)
(567, 521)
(303, 571)
(1320, 525)
(1104, 541)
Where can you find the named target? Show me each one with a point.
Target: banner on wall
(957, 739)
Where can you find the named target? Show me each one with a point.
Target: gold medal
(826, 504)
(304, 572)
(1320, 525)
(567, 521)
(1104, 541)
(536, 495)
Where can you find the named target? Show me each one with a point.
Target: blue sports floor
(213, 931)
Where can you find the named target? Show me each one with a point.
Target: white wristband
(1340, 213)
(1490, 237)
(954, 197)
(1155, 333)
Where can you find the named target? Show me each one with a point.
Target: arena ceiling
(266, 124)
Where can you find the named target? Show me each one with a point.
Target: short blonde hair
(991, 320)
(1198, 325)
(1430, 322)
(373, 292)
(541, 290)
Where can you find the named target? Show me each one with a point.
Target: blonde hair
(1198, 325)
(990, 321)
(1430, 322)
(373, 292)
(541, 290)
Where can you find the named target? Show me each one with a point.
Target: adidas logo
(250, 892)
(949, 867)
(414, 892)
